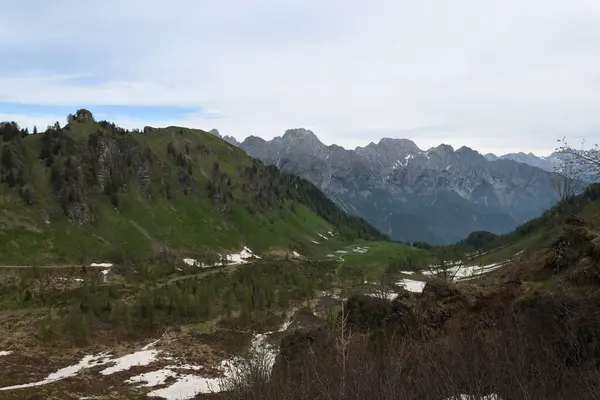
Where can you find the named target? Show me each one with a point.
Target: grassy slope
(186, 224)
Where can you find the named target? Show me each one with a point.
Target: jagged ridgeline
(91, 189)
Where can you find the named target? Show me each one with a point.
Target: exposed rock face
(438, 195)
(228, 139)
(82, 115)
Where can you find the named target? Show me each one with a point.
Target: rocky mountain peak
(469, 153)
(444, 148)
(253, 140)
(228, 139)
(300, 134)
(391, 143)
(303, 140)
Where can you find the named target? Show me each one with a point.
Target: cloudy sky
(497, 76)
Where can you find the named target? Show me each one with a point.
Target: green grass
(509, 251)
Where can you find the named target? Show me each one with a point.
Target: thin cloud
(496, 76)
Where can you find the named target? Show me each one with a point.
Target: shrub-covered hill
(91, 190)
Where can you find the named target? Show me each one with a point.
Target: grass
(188, 223)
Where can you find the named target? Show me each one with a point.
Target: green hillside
(91, 191)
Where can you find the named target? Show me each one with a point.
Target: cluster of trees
(243, 294)
(219, 188)
(14, 166)
(239, 297)
(71, 169)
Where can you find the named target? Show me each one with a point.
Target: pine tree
(77, 326)
(6, 158)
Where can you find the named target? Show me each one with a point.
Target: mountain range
(439, 195)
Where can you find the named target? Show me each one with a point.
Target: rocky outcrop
(228, 139)
(81, 115)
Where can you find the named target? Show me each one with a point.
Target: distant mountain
(438, 195)
(553, 163)
(545, 163)
(228, 139)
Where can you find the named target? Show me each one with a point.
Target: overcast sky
(497, 76)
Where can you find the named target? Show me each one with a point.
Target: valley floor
(186, 360)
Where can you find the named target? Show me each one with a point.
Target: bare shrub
(508, 357)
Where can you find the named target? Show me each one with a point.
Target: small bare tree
(448, 265)
(382, 288)
(568, 178)
(589, 158)
(342, 347)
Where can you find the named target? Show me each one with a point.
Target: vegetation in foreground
(530, 330)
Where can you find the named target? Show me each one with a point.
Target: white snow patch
(101, 265)
(296, 254)
(190, 261)
(195, 263)
(78, 280)
(153, 378)
(105, 271)
(323, 236)
(151, 344)
(5, 353)
(361, 250)
(285, 325)
(330, 233)
(86, 362)
(388, 295)
(331, 256)
(142, 357)
(241, 257)
(342, 252)
(139, 358)
(407, 272)
(188, 366)
(460, 272)
(412, 285)
(187, 387)
(315, 242)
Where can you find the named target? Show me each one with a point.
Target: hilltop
(91, 191)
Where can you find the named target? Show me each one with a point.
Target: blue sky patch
(109, 112)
